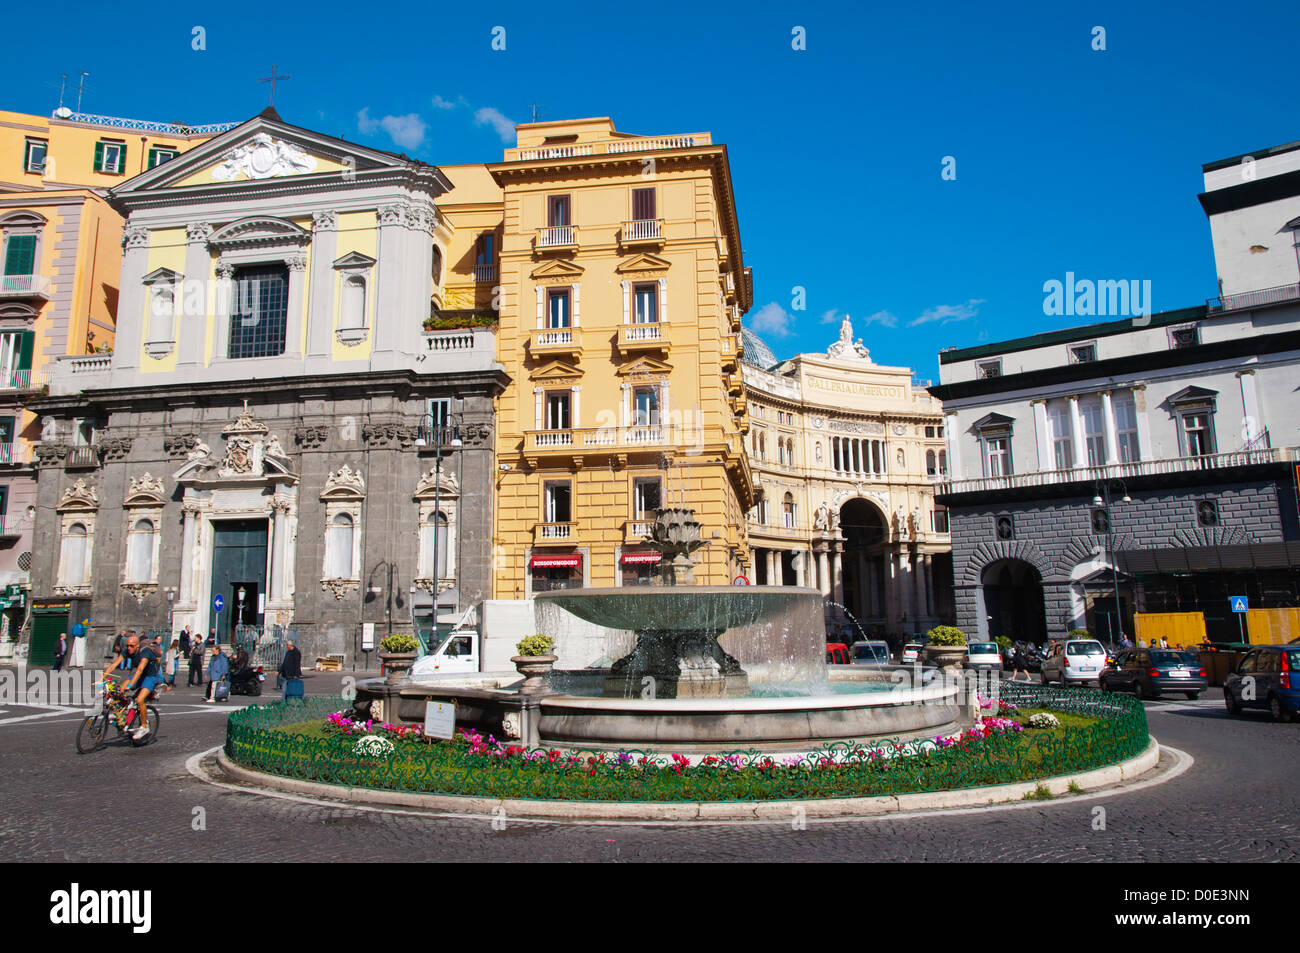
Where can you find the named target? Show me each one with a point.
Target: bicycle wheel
(91, 733)
(152, 723)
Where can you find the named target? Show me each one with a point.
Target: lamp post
(435, 435)
(1102, 499)
(239, 619)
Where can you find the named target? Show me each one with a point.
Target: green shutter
(20, 255)
(25, 350)
(99, 157)
(121, 159)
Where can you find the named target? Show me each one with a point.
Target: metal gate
(265, 644)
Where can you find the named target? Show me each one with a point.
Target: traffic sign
(1239, 603)
(218, 603)
(740, 581)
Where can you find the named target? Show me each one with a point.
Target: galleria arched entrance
(1013, 601)
(864, 568)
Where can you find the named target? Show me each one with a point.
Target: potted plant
(398, 652)
(534, 662)
(947, 646)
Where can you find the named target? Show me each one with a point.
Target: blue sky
(1066, 158)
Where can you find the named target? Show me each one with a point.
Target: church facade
(279, 442)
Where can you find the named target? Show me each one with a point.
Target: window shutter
(99, 157)
(25, 350)
(121, 159)
(20, 255)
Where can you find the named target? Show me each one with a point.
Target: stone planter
(944, 656)
(534, 669)
(397, 664)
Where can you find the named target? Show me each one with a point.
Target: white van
(983, 657)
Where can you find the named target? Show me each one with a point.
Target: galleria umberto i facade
(846, 454)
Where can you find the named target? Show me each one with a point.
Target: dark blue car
(1268, 677)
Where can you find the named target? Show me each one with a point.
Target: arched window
(930, 463)
(787, 511)
(437, 266)
(352, 306)
(943, 461)
(74, 555)
(789, 452)
(817, 450)
(139, 552)
(762, 446)
(339, 545)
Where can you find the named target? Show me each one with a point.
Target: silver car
(869, 653)
(1074, 661)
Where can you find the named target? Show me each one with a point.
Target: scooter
(247, 681)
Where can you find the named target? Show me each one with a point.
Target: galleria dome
(757, 353)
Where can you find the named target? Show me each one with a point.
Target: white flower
(1043, 720)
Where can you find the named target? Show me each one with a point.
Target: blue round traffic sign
(218, 603)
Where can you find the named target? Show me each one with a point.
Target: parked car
(837, 653)
(1268, 677)
(870, 653)
(1149, 673)
(1073, 661)
(983, 657)
(911, 653)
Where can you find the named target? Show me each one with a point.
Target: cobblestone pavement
(1238, 802)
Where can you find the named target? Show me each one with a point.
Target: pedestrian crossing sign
(1239, 603)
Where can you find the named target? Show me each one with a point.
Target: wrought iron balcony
(1280, 294)
(485, 274)
(81, 458)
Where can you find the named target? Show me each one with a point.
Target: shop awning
(637, 558)
(563, 561)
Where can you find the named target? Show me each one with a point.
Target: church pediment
(354, 259)
(556, 370)
(642, 263)
(643, 365)
(264, 147)
(162, 276)
(557, 270)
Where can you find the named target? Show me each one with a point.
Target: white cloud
(829, 317)
(883, 318)
(441, 103)
(771, 319)
(948, 313)
(406, 131)
(505, 128)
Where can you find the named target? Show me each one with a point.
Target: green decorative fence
(256, 737)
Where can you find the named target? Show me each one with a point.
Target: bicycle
(117, 709)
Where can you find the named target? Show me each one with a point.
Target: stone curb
(701, 811)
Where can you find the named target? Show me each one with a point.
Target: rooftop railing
(1254, 299)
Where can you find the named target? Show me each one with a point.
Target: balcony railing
(22, 380)
(449, 340)
(635, 531)
(1254, 299)
(619, 146)
(555, 340)
(1120, 471)
(79, 458)
(11, 453)
(553, 532)
(643, 230)
(604, 438)
(25, 286)
(557, 236)
(632, 337)
(485, 274)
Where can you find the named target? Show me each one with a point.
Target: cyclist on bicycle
(143, 663)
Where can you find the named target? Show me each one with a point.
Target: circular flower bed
(313, 740)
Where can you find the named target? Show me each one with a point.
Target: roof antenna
(81, 86)
(63, 86)
(537, 110)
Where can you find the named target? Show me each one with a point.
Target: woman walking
(172, 661)
(218, 669)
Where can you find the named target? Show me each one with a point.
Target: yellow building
(846, 453)
(620, 289)
(60, 253)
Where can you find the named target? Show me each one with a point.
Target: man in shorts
(142, 661)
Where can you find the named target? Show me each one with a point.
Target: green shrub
(399, 642)
(946, 635)
(533, 645)
(1078, 634)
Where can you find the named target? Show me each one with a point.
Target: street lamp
(1102, 499)
(434, 432)
(239, 619)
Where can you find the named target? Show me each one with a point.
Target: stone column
(188, 535)
(1112, 435)
(824, 572)
(188, 329)
(222, 311)
(1144, 423)
(296, 306)
(1251, 426)
(1041, 432)
(279, 545)
(131, 299)
(837, 577)
(800, 567)
(772, 567)
(906, 583)
(954, 446)
(1076, 435)
(389, 307)
(923, 564)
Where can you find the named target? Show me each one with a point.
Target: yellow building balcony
(646, 231)
(636, 531)
(618, 440)
(485, 274)
(653, 336)
(557, 237)
(25, 288)
(618, 146)
(554, 534)
(553, 341)
(732, 351)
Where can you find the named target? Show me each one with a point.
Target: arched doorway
(1013, 601)
(863, 563)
